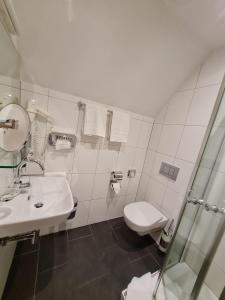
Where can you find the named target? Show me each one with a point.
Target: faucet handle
(23, 185)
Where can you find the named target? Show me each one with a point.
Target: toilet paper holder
(116, 176)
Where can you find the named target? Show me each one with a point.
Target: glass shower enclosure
(195, 264)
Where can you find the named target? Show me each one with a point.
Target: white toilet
(143, 218)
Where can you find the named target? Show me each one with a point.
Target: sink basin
(48, 202)
(4, 212)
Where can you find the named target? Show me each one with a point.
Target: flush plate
(169, 171)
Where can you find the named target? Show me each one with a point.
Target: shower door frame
(210, 255)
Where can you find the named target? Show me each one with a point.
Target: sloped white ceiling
(128, 53)
(204, 17)
(10, 60)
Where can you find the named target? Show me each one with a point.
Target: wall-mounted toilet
(143, 218)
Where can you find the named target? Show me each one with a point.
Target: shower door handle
(195, 201)
(214, 208)
(207, 206)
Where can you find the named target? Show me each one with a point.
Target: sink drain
(38, 205)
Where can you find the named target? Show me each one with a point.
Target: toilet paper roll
(115, 186)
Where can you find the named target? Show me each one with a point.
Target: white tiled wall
(206, 224)
(203, 233)
(176, 138)
(89, 164)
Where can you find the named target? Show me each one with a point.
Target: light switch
(131, 173)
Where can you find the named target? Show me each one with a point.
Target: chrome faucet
(21, 165)
(17, 187)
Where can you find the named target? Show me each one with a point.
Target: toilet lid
(142, 214)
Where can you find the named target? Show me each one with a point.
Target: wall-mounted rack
(61, 134)
(32, 235)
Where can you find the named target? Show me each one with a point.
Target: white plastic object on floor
(123, 294)
(140, 288)
(146, 283)
(143, 218)
(177, 281)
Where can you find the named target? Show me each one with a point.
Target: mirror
(15, 123)
(9, 93)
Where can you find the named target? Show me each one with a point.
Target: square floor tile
(103, 234)
(121, 276)
(105, 239)
(129, 240)
(53, 250)
(79, 232)
(158, 256)
(54, 284)
(137, 254)
(85, 261)
(99, 289)
(101, 226)
(144, 265)
(21, 279)
(116, 222)
(113, 257)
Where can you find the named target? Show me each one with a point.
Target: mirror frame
(29, 129)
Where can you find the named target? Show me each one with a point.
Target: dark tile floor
(93, 262)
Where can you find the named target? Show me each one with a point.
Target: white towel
(141, 288)
(62, 144)
(120, 127)
(95, 120)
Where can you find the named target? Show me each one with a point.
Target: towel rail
(82, 106)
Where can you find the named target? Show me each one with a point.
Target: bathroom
(112, 146)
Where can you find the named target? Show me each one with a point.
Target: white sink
(21, 215)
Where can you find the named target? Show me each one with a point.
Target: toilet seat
(142, 216)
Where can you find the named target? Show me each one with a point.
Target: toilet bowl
(143, 218)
